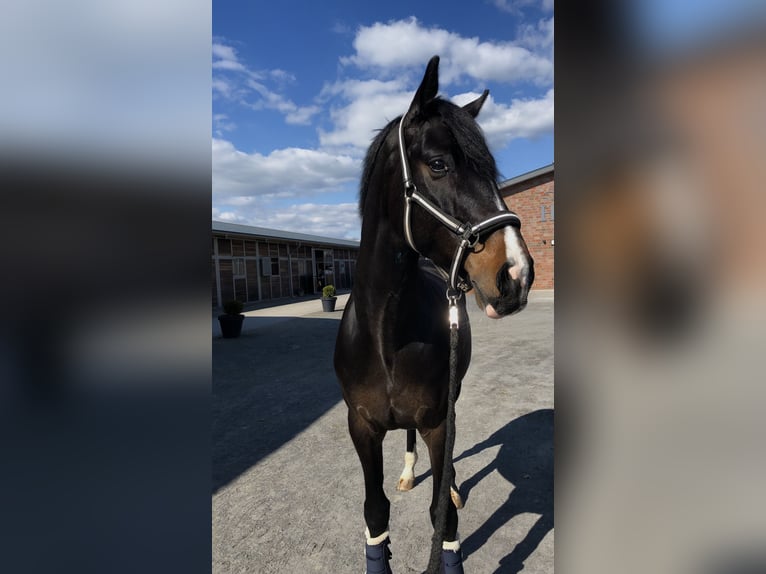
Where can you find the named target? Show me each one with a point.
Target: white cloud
(523, 118)
(537, 36)
(224, 52)
(294, 114)
(282, 76)
(516, 6)
(228, 65)
(242, 83)
(222, 123)
(372, 104)
(337, 220)
(397, 44)
(406, 43)
(282, 173)
(329, 220)
(223, 87)
(301, 115)
(225, 58)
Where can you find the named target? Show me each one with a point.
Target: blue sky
(299, 90)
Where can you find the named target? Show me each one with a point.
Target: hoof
(378, 557)
(406, 483)
(456, 500)
(452, 562)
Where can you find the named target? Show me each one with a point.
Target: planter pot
(328, 304)
(231, 325)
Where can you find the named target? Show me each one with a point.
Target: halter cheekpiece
(468, 233)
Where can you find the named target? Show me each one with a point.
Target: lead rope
(440, 526)
(469, 236)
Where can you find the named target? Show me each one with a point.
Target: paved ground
(288, 489)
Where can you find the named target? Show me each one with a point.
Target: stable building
(254, 264)
(257, 264)
(530, 196)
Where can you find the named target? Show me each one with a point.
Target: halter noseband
(469, 234)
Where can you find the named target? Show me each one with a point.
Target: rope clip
(452, 298)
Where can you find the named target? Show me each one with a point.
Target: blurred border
(105, 354)
(660, 140)
(105, 345)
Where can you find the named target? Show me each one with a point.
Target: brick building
(530, 195)
(256, 264)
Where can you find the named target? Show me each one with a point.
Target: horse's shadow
(525, 459)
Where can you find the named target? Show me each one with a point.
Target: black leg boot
(452, 558)
(378, 556)
(452, 561)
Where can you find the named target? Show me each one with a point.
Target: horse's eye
(437, 166)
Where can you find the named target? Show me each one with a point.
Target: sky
(299, 91)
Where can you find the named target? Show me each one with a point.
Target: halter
(468, 233)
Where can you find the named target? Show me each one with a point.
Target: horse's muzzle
(513, 283)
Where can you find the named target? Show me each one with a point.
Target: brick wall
(532, 201)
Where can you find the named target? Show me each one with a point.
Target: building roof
(527, 176)
(265, 233)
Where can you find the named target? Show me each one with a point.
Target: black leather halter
(469, 233)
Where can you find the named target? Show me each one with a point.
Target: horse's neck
(387, 276)
(386, 271)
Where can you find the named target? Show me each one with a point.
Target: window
(267, 266)
(238, 267)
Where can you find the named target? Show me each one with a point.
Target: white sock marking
(377, 540)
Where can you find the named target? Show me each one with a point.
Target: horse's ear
(428, 88)
(474, 107)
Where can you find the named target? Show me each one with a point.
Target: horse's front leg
(407, 478)
(452, 561)
(369, 447)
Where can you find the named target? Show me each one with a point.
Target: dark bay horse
(433, 226)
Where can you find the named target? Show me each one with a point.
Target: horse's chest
(394, 384)
(408, 390)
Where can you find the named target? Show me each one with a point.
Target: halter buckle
(469, 237)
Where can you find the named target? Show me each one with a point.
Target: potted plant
(328, 298)
(232, 319)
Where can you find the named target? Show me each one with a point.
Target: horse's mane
(468, 137)
(370, 159)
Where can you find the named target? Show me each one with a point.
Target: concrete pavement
(288, 489)
(272, 314)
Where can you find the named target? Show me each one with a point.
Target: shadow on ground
(269, 385)
(525, 460)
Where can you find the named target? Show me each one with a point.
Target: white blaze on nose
(514, 252)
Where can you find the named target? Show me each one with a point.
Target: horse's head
(452, 199)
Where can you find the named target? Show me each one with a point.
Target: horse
(427, 176)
